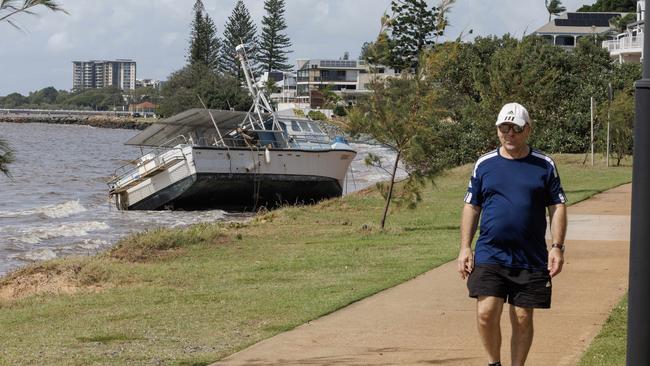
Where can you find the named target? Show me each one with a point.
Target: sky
(155, 33)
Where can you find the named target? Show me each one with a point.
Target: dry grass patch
(55, 278)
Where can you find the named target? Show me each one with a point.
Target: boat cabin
(233, 129)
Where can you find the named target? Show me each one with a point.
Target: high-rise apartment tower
(102, 73)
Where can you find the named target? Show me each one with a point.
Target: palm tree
(8, 9)
(620, 23)
(554, 7)
(6, 157)
(444, 8)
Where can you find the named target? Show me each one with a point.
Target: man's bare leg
(488, 316)
(522, 334)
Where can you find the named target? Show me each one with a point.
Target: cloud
(59, 42)
(154, 33)
(322, 9)
(168, 38)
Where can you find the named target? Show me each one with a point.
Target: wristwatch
(559, 246)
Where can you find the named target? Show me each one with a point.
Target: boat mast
(257, 94)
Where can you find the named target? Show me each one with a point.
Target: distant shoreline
(94, 121)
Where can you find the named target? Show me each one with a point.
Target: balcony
(624, 45)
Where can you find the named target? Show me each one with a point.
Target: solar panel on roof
(586, 19)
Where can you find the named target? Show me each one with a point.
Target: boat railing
(230, 142)
(154, 161)
(180, 139)
(158, 150)
(306, 141)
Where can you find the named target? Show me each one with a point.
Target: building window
(338, 63)
(565, 41)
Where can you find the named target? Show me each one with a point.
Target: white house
(565, 30)
(628, 46)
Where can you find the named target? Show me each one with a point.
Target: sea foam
(36, 255)
(37, 234)
(61, 210)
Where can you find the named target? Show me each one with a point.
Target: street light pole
(638, 326)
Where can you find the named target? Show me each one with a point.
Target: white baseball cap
(513, 113)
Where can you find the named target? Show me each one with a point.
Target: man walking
(510, 190)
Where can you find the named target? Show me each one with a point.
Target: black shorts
(519, 287)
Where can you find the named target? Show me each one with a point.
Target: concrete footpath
(431, 321)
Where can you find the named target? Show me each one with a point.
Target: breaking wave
(35, 255)
(61, 210)
(37, 234)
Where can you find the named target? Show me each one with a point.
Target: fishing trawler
(205, 159)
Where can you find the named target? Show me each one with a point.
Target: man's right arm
(468, 225)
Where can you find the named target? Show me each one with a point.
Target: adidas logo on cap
(513, 113)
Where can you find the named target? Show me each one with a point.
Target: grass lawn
(609, 347)
(192, 296)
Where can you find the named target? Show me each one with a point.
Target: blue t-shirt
(513, 195)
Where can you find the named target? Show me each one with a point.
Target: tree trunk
(390, 189)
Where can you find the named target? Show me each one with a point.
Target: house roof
(579, 23)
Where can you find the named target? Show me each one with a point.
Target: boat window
(315, 128)
(304, 126)
(294, 126)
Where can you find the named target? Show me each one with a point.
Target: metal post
(610, 94)
(592, 131)
(607, 158)
(638, 326)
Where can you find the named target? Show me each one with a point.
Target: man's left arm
(558, 218)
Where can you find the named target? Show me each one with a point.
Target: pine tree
(204, 43)
(272, 54)
(239, 29)
(197, 24)
(413, 27)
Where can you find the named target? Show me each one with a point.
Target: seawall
(95, 121)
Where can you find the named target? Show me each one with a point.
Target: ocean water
(56, 201)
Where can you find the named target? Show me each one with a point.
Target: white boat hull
(191, 177)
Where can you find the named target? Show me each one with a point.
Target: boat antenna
(212, 118)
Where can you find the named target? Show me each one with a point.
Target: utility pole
(638, 326)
